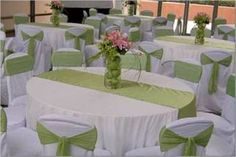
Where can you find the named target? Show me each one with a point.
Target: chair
(184, 137)
(213, 82)
(162, 31)
(225, 124)
(18, 70)
(225, 32)
(146, 13)
(96, 23)
(72, 55)
(132, 28)
(92, 12)
(220, 21)
(170, 20)
(153, 54)
(113, 11)
(32, 43)
(19, 142)
(20, 18)
(68, 136)
(207, 32)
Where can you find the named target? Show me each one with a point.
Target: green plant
(201, 18)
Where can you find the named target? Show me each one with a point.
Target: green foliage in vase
(201, 18)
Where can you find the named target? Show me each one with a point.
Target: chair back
(129, 22)
(74, 38)
(112, 29)
(153, 54)
(3, 130)
(113, 11)
(229, 107)
(92, 12)
(225, 32)
(96, 23)
(146, 13)
(67, 57)
(2, 45)
(220, 21)
(159, 21)
(170, 20)
(186, 137)
(66, 136)
(216, 68)
(160, 31)
(20, 18)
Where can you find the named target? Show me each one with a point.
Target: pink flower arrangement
(55, 4)
(119, 40)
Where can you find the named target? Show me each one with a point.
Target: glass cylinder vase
(112, 77)
(200, 34)
(55, 19)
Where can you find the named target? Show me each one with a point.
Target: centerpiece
(113, 45)
(201, 19)
(57, 8)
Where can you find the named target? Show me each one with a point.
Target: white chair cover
(91, 50)
(212, 102)
(133, 20)
(221, 30)
(67, 126)
(2, 27)
(42, 52)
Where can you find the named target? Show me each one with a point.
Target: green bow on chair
(86, 140)
(132, 24)
(3, 121)
(169, 140)
(156, 54)
(212, 87)
(226, 34)
(32, 41)
(71, 36)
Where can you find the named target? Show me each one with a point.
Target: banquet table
(125, 120)
(146, 21)
(55, 35)
(177, 47)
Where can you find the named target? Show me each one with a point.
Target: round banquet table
(123, 123)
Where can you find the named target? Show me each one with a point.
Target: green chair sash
(134, 35)
(76, 38)
(2, 45)
(115, 11)
(18, 65)
(3, 121)
(226, 34)
(92, 12)
(156, 54)
(171, 17)
(169, 140)
(67, 59)
(21, 19)
(159, 32)
(86, 140)
(96, 23)
(187, 71)
(212, 87)
(230, 88)
(132, 24)
(32, 41)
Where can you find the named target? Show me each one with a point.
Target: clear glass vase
(200, 34)
(55, 17)
(112, 77)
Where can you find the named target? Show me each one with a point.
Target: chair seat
(148, 151)
(219, 147)
(221, 125)
(23, 142)
(101, 152)
(15, 117)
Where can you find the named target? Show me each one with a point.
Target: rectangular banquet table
(177, 47)
(55, 36)
(127, 118)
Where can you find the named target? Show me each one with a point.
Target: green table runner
(214, 43)
(184, 101)
(88, 37)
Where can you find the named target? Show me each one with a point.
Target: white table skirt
(123, 123)
(55, 37)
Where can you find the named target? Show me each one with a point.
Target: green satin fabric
(156, 54)
(230, 88)
(76, 38)
(171, 17)
(32, 41)
(133, 61)
(212, 87)
(3, 121)
(67, 59)
(18, 65)
(159, 32)
(115, 11)
(134, 35)
(187, 71)
(96, 23)
(2, 45)
(132, 24)
(86, 140)
(226, 34)
(169, 140)
(21, 19)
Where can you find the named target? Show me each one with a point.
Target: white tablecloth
(123, 123)
(52, 35)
